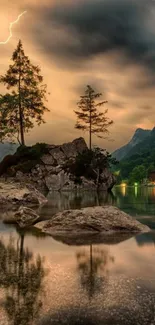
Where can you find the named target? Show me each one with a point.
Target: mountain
(134, 144)
(7, 149)
(147, 145)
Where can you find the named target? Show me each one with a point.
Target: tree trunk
(21, 113)
(90, 131)
(21, 127)
(90, 141)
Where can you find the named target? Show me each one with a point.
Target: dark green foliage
(24, 159)
(89, 118)
(138, 174)
(33, 153)
(24, 167)
(90, 164)
(128, 167)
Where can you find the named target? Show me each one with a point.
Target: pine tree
(24, 106)
(89, 118)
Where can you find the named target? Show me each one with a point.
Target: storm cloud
(93, 27)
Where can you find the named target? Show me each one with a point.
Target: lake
(50, 281)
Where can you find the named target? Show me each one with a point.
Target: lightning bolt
(10, 28)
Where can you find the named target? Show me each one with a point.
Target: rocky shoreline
(16, 194)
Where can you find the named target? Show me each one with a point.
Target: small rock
(25, 217)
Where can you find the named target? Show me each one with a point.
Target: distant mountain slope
(147, 145)
(7, 149)
(130, 148)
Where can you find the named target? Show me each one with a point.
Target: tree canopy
(88, 116)
(24, 106)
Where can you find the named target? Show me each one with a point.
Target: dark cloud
(117, 104)
(93, 27)
(98, 84)
(140, 84)
(138, 116)
(146, 107)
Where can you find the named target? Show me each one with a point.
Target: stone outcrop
(25, 217)
(15, 193)
(100, 219)
(48, 173)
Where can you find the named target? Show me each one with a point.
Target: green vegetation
(34, 152)
(23, 160)
(136, 168)
(138, 174)
(24, 106)
(29, 157)
(90, 164)
(89, 118)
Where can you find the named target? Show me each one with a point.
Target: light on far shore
(135, 184)
(123, 184)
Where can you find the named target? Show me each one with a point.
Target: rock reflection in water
(93, 269)
(75, 200)
(21, 276)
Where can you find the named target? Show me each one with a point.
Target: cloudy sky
(109, 44)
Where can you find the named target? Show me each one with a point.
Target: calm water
(43, 280)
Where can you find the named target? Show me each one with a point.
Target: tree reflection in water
(93, 268)
(21, 275)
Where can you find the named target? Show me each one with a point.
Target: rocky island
(44, 166)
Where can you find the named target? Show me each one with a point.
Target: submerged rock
(100, 219)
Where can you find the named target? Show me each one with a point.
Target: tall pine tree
(89, 118)
(24, 106)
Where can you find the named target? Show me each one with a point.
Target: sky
(108, 44)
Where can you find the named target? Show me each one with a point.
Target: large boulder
(100, 219)
(16, 193)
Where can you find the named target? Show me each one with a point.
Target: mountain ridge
(134, 144)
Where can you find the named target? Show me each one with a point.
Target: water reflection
(93, 268)
(136, 190)
(136, 201)
(76, 199)
(123, 189)
(21, 276)
(146, 239)
(79, 289)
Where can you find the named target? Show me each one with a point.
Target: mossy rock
(34, 153)
(24, 159)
